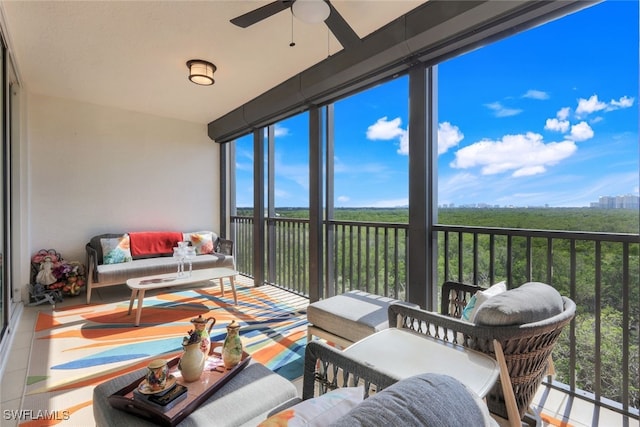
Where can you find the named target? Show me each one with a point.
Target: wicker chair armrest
(455, 297)
(478, 337)
(92, 261)
(225, 246)
(431, 324)
(329, 368)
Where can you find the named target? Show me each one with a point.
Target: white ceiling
(133, 54)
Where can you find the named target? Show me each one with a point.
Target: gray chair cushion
(426, 400)
(353, 315)
(531, 302)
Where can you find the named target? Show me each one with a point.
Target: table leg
(139, 309)
(233, 288)
(222, 286)
(134, 293)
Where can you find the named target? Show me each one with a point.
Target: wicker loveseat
(148, 253)
(525, 348)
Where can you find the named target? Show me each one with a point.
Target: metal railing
(365, 256)
(370, 257)
(598, 356)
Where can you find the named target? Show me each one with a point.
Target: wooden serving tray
(212, 379)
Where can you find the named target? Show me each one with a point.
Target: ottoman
(246, 399)
(349, 317)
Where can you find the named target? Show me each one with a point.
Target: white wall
(95, 169)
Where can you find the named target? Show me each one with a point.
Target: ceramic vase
(232, 347)
(192, 362)
(200, 326)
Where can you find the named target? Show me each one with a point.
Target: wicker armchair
(525, 349)
(327, 368)
(428, 399)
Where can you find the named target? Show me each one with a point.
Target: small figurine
(45, 275)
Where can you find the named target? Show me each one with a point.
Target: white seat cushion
(353, 315)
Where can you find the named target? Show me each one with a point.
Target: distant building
(628, 201)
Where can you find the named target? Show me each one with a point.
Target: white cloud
(501, 111)
(404, 144)
(448, 136)
(581, 132)
(524, 154)
(623, 102)
(593, 104)
(351, 167)
(280, 131)
(385, 129)
(295, 173)
(282, 194)
(557, 125)
(588, 106)
(536, 94)
(560, 123)
(563, 113)
(343, 199)
(529, 171)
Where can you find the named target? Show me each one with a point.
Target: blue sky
(547, 117)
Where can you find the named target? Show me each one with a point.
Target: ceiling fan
(308, 11)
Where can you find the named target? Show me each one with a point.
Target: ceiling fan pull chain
(292, 44)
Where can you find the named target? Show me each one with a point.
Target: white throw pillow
(480, 297)
(202, 241)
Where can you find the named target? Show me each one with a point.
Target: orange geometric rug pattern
(75, 348)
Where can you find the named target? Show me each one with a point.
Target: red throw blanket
(153, 242)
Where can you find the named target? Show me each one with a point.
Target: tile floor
(556, 405)
(15, 374)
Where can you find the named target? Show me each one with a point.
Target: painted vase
(192, 362)
(200, 326)
(232, 347)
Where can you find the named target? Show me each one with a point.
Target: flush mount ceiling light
(201, 72)
(310, 11)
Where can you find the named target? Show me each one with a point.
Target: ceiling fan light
(310, 11)
(201, 72)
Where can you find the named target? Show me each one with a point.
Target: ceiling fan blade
(339, 27)
(261, 13)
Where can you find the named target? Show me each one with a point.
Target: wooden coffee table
(139, 285)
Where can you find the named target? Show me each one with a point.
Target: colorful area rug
(76, 348)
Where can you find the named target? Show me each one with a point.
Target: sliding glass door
(5, 287)
(9, 111)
